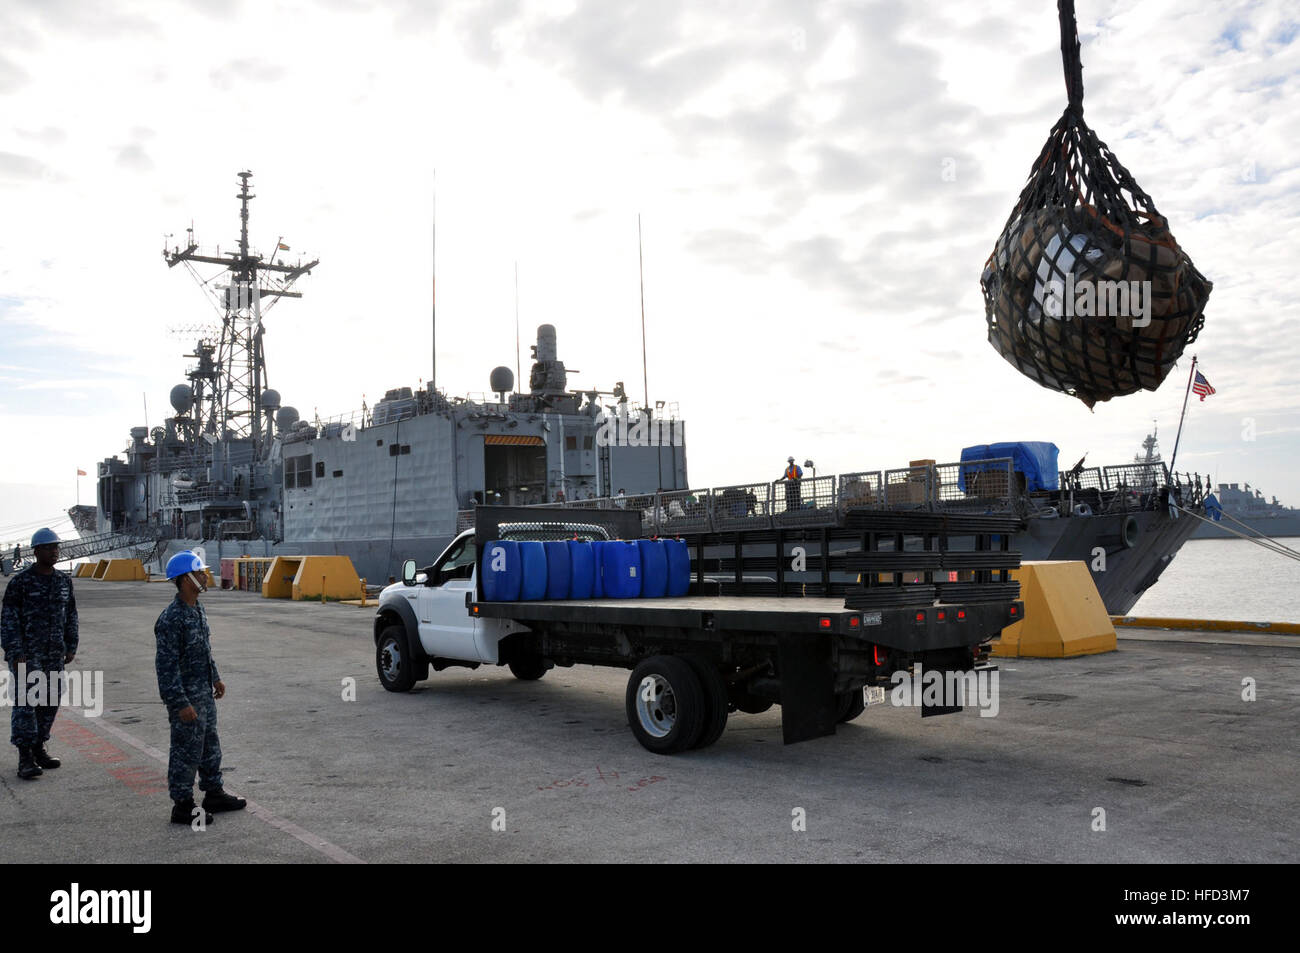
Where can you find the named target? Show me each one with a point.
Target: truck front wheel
(393, 660)
(528, 668)
(665, 704)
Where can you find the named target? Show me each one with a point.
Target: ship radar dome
(286, 418)
(270, 400)
(503, 380)
(181, 397)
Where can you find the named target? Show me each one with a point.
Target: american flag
(1201, 386)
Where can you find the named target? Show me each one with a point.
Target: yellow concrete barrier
(1204, 625)
(99, 569)
(123, 570)
(1064, 614)
(311, 577)
(85, 570)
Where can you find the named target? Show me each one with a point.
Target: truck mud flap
(808, 702)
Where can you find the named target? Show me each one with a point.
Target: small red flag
(81, 472)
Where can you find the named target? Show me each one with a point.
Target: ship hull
(1126, 571)
(1122, 572)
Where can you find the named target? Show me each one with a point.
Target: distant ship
(1260, 514)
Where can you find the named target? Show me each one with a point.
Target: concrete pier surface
(1155, 742)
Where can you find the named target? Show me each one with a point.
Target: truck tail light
(920, 617)
(961, 615)
(824, 622)
(942, 615)
(854, 622)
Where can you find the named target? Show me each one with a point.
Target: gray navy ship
(1251, 513)
(237, 470)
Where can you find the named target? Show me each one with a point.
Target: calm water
(1227, 579)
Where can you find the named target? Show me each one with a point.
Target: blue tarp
(1036, 459)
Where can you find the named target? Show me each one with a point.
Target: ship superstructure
(236, 466)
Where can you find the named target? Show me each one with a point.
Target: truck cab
(424, 619)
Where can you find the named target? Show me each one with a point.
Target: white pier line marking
(314, 841)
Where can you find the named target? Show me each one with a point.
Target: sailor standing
(189, 685)
(38, 630)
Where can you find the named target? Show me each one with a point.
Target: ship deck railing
(968, 487)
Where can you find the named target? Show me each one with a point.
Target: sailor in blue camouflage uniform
(189, 685)
(38, 630)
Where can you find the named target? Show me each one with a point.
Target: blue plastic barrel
(598, 585)
(582, 569)
(654, 568)
(679, 567)
(532, 569)
(500, 570)
(622, 577)
(558, 576)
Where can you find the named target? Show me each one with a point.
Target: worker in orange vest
(793, 493)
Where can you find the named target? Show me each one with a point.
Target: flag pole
(1190, 374)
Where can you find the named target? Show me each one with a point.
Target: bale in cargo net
(1086, 291)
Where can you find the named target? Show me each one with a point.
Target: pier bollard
(363, 592)
(322, 590)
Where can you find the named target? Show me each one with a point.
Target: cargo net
(1086, 291)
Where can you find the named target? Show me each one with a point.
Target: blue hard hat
(43, 537)
(182, 563)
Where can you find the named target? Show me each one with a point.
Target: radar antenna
(235, 394)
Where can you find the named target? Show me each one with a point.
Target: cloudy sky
(811, 272)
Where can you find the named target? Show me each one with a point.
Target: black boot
(219, 800)
(27, 768)
(183, 813)
(42, 757)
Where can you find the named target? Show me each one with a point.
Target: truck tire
(665, 704)
(393, 660)
(716, 702)
(852, 704)
(528, 668)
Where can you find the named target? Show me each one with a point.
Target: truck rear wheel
(715, 700)
(852, 704)
(665, 704)
(393, 660)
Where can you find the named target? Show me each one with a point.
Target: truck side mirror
(408, 572)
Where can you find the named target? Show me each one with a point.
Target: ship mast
(235, 399)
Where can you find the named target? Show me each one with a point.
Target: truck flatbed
(910, 627)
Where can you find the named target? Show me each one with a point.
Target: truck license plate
(873, 694)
